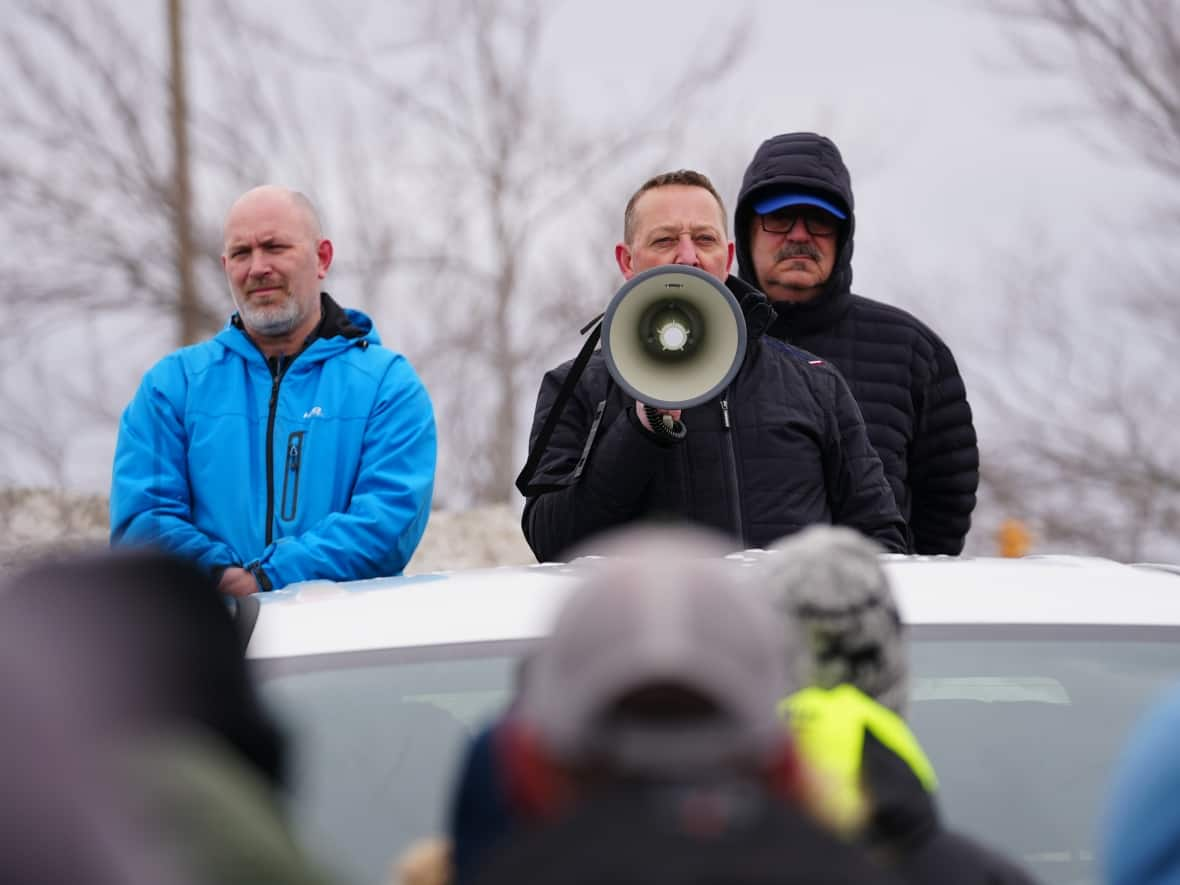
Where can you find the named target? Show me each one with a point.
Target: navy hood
(800, 161)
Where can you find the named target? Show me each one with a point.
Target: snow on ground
(35, 522)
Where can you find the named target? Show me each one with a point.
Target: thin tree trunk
(187, 309)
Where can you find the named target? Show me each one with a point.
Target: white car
(1027, 675)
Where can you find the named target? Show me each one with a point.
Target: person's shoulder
(795, 355)
(594, 374)
(898, 320)
(811, 368)
(952, 856)
(187, 361)
(653, 834)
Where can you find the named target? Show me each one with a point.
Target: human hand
(641, 414)
(236, 581)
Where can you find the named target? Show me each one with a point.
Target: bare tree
(1126, 54)
(1076, 425)
(88, 168)
(1085, 447)
(518, 245)
(474, 211)
(101, 125)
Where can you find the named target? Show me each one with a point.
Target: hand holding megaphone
(673, 337)
(657, 420)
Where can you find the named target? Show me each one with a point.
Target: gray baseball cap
(662, 608)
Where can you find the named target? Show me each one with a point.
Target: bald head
(274, 260)
(274, 198)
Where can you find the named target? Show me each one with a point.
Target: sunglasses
(816, 221)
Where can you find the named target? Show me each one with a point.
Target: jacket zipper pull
(725, 413)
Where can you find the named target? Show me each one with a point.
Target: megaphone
(673, 337)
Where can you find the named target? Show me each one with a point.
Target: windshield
(1022, 725)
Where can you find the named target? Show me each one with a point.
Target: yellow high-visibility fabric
(829, 728)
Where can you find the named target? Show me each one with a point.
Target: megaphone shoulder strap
(524, 483)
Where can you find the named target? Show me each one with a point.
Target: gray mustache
(797, 250)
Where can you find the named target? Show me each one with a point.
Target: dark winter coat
(906, 830)
(901, 373)
(782, 448)
(682, 834)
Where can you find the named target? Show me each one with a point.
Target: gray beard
(272, 321)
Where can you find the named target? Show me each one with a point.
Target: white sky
(946, 148)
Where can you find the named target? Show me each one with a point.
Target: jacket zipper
(277, 379)
(291, 477)
(731, 463)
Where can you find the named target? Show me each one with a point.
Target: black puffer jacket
(901, 373)
(785, 447)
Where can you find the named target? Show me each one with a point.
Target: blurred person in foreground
(292, 445)
(142, 649)
(1141, 827)
(644, 745)
(876, 783)
(794, 225)
(783, 447)
(66, 817)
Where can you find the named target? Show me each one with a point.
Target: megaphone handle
(664, 425)
(524, 478)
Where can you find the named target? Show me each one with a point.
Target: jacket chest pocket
(294, 462)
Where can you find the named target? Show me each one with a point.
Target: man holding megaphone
(688, 412)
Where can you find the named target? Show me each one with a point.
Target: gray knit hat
(830, 584)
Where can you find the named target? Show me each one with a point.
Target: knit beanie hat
(830, 584)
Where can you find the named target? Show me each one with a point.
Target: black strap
(524, 482)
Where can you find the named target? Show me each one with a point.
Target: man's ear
(323, 254)
(624, 260)
(729, 258)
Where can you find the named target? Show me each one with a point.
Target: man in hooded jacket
(293, 445)
(794, 226)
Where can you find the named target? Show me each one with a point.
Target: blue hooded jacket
(1142, 826)
(323, 471)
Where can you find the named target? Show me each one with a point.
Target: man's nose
(259, 263)
(686, 252)
(798, 230)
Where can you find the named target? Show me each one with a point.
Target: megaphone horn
(673, 337)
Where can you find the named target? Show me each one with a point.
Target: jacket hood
(807, 162)
(756, 307)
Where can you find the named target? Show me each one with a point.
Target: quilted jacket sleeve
(858, 492)
(944, 462)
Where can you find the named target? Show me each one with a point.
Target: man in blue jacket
(292, 445)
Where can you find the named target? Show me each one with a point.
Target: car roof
(323, 617)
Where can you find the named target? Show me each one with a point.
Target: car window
(376, 737)
(1023, 724)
